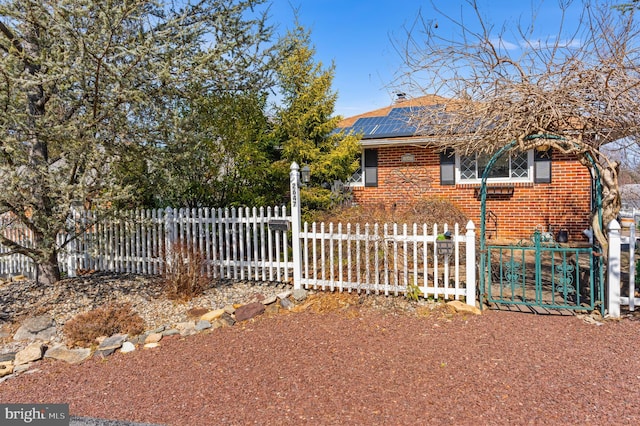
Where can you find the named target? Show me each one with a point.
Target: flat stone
(151, 345)
(17, 369)
(299, 295)
(286, 303)
(9, 356)
(248, 311)
(224, 321)
(463, 308)
(37, 328)
(127, 347)
(284, 295)
(37, 324)
(6, 368)
(229, 309)
(269, 300)
(72, 356)
(202, 325)
(31, 353)
(153, 338)
(114, 342)
(103, 353)
(171, 332)
(212, 315)
(186, 328)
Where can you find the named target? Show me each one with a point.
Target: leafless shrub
(185, 273)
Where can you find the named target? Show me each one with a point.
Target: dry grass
(84, 328)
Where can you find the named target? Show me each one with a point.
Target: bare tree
(574, 91)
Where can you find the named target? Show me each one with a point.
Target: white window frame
(528, 179)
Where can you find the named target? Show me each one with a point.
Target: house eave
(387, 142)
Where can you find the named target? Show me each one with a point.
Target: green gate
(539, 274)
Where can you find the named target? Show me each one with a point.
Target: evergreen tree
(305, 123)
(89, 87)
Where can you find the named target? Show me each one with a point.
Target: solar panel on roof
(398, 123)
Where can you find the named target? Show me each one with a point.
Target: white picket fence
(389, 259)
(617, 245)
(268, 245)
(236, 244)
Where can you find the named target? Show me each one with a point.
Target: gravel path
(357, 365)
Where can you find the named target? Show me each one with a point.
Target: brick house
(543, 189)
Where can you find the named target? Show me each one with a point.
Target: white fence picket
(240, 244)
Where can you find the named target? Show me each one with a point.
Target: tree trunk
(48, 272)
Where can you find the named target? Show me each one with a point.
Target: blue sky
(356, 34)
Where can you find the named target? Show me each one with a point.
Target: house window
(370, 167)
(542, 166)
(516, 166)
(367, 174)
(448, 167)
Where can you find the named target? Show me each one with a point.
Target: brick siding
(562, 204)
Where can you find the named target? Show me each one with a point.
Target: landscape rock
(286, 303)
(9, 356)
(225, 320)
(37, 328)
(212, 315)
(463, 308)
(269, 300)
(127, 347)
(202, 325)
(283, 295)
(72, 356)
(299, 295)
(17, 369)
(151, 345)
(229, 309)
(6, 368)
(186, 328)
(111, 344)
(153, 338)
(32, 352)
(248, 311)
(170, 332)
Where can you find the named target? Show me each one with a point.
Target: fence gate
(540, 275)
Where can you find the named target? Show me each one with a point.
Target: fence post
(169, 229)
(72, 248)
(294, 181)
(613, 270)
(470, 264)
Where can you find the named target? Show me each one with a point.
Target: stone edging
(42, 330)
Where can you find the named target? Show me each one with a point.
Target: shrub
(430, 211)
(185, 275)
(83, 329)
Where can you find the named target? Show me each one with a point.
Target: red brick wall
(563, 203)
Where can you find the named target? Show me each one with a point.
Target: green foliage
(304, 120)
(413, 292)
(99, 96)
(221, 155)
(83, 329)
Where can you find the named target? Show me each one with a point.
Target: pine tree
(305, 122)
